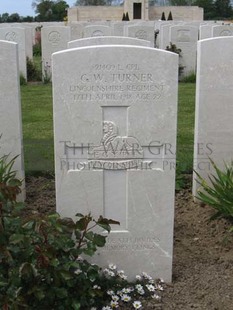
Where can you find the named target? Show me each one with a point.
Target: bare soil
(203, 253)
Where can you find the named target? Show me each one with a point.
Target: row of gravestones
(115, 111)
(55, 38)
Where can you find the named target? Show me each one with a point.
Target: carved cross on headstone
(116, 153)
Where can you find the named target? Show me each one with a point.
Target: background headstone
(16, 34)
(222, 31)
(108, 41)
(214, 108)
(114, 99)
(185, 38)
(53, 39)
(10, 107)
(96, 31)
(141, 32)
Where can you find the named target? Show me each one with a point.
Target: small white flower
(112, 266)
(123, 276)
(110, 292)
(141, 292)
(137, 304)
(115, 298)
(111, 274)
(155, 296)
(145, 275)
(93, 308)
(150, 287)
(138, 277)
(120, 272)
(126, 290)
(125, 298)
(114, 304)
(161, 280)
(78, 271)
(80, 259)
(106, 308)
(138, 287)
(159, 287)
(96, 287)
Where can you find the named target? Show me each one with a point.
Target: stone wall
(95, 13)
(184, 13)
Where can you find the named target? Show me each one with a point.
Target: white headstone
(28, 38)
(10, 107)
(185, 38)
(205, 32)
(96, 31)
(214, 108)
(222, 31)
(108, 41)
(164, 39)
(76, 30)
(124, 108)
(118, 28)
(142, 32)
(53, 39)
(15, 34)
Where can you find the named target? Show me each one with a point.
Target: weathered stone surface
(10, 107)
(214, 109)
(53, 39)
(108, 41)
(16, 34)
(115, 139)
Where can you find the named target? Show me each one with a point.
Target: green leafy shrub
(191, 78)
(41, 266)
(174, 49)
(40, 255)
(219, 192)
(37, 49)
(22, 79)
(33, 73)
(180, 179)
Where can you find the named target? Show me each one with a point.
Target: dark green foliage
(22, 79)
(40, 255)
(48, 10)
(223, 9)
(174, 49)
(33, 74)
(180, 179)
(170, 16)
(180, 2)
(37, 49)
(14, 18)
(163, 16)
(191, 78)
(127, 16)
(218, 193)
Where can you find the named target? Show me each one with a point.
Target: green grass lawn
(38, 127)
(37, 118)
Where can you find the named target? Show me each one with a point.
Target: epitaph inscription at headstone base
(10, 108)
(115, 138)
